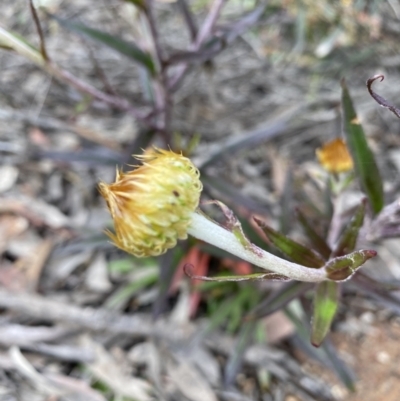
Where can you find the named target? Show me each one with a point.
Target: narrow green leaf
(326, 302)
(230, 311)
(364, 160)
(245, 277)
(220, 315)
(245, 299)
(317, 241)
(233, 225)
(348, 239)
(19, 44)
(128, 49)
(138, 3)
(241, 213)
(343, 267)
(295, 251)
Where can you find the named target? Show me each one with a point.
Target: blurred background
(249, 90)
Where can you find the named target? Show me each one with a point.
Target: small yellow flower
(335, 157)
(152, 205)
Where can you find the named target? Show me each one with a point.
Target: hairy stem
(210, 232)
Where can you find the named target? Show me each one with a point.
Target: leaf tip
(188, 270)
(370, 253)
(371, 80)
(316, 344)
(258, 221)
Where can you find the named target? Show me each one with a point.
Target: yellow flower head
(335, 157)
(152, 205)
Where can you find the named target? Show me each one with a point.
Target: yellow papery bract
(335, 157)
(152, 205)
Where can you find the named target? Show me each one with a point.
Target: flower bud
(152, 205)
(335, 157)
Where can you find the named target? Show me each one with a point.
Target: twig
(202, 35)
(163, 100)
(62, 352)
(101, 74)
(40, 31)
(190, 22)
(34, 338)
(153, 29)
(117, 102)
(209, 22)
(220, 40)
(51, 310)
(64, 76)
(275, 361)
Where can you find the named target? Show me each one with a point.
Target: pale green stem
(21, 47)
(208, 231)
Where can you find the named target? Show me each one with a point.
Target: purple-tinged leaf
(128, 49)
(251, 139)
(343, 267)
(235, 360)
(226, 192)
(348, 239)
(375, 285)
(326, 302)
(364, 161)
(379, 99)
(389, 300)
(278, 299)
(386, 224)
(295, 251)
(317, 241)
(219, 41)
(345, 374)
(167, 266)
